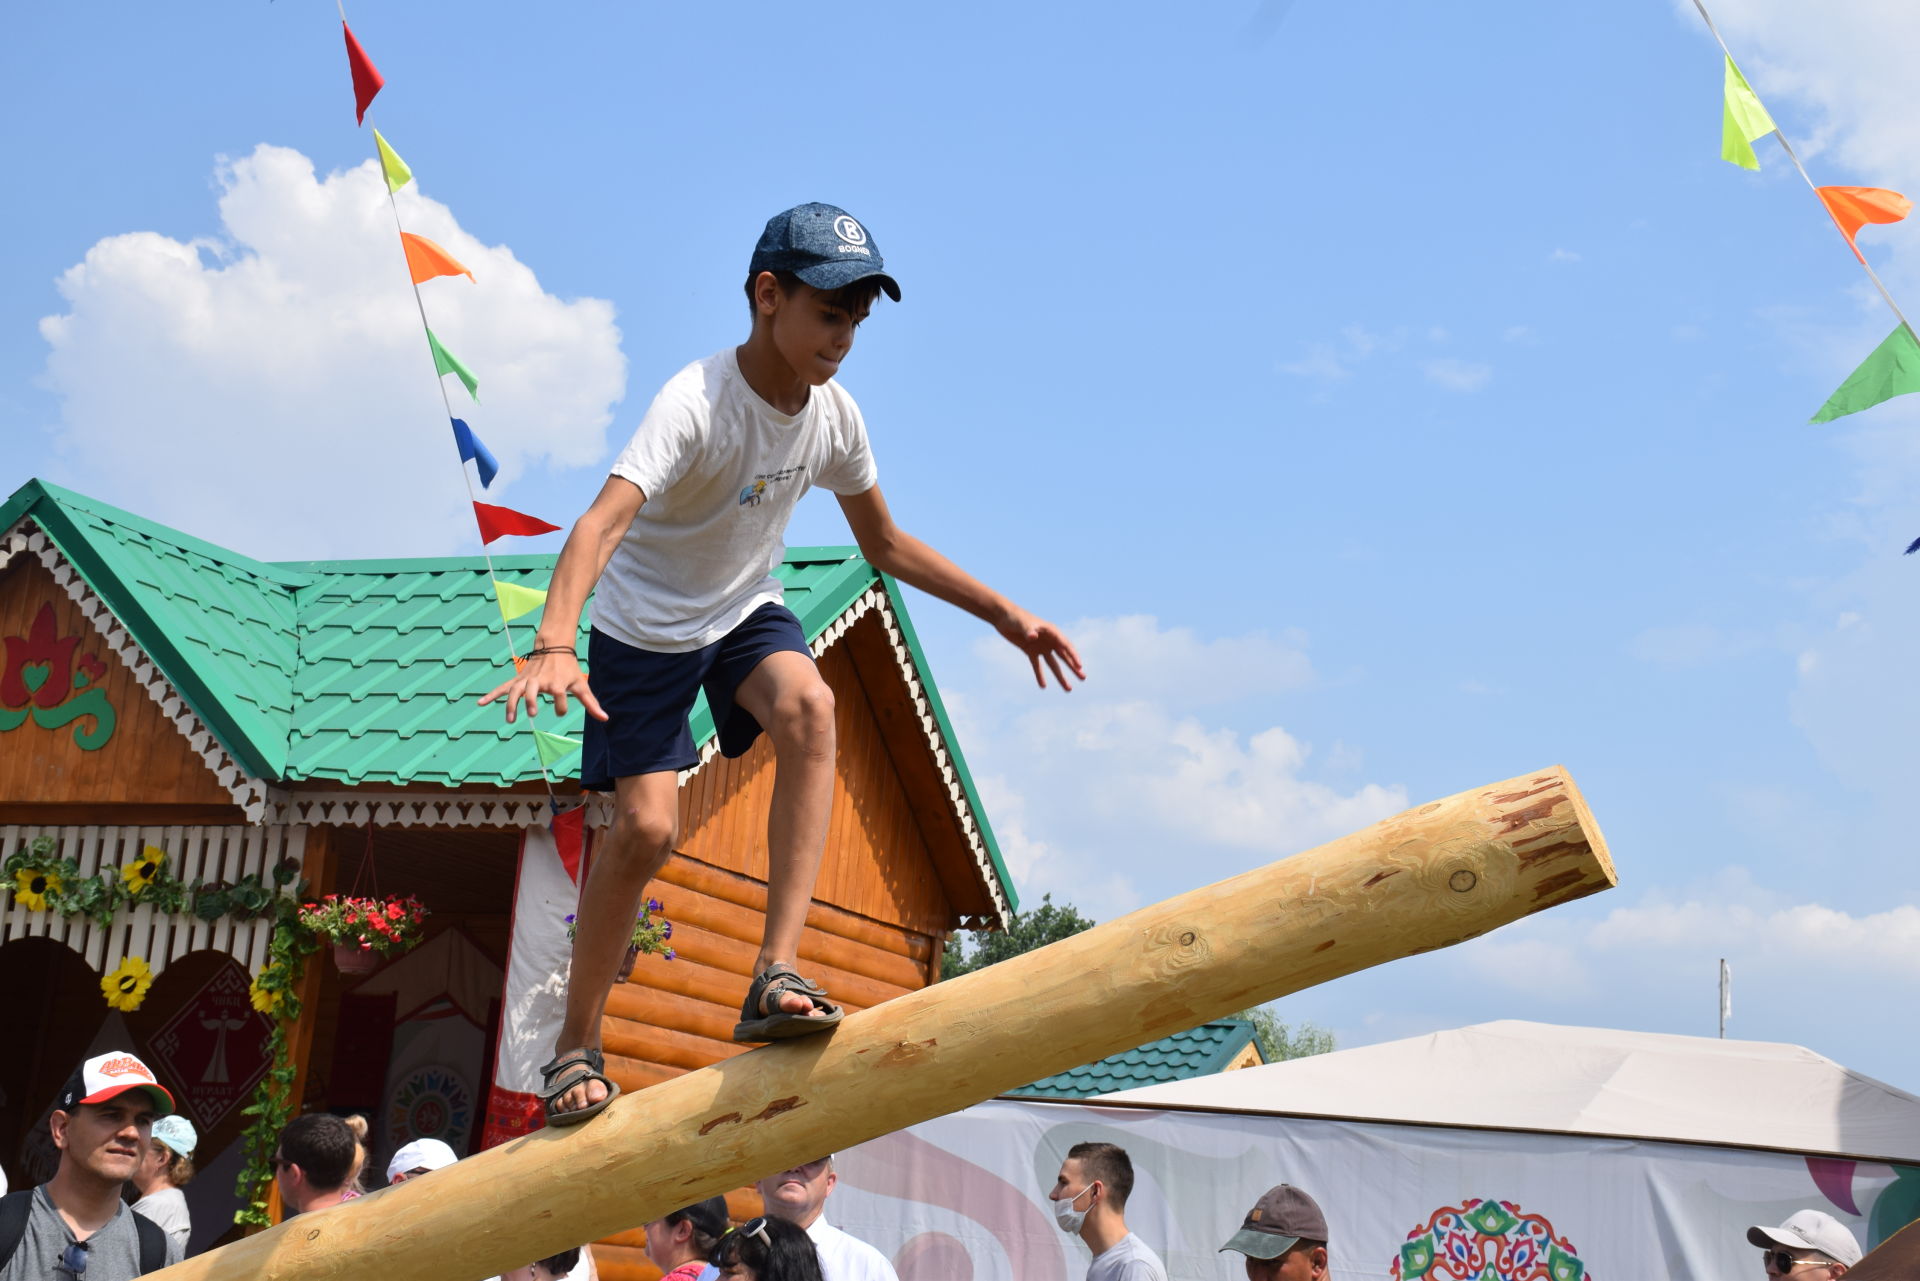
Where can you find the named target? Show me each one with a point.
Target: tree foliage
(1279, 1040)
(1025, 931)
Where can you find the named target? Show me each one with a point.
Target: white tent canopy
(1539, 1077)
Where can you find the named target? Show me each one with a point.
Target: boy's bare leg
(795, 708)
(646, 820)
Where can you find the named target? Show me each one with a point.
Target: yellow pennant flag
(398, 175)
(517, 601)
(1742, 121)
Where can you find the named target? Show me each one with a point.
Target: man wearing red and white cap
(76, 1224)
(1811, 1245)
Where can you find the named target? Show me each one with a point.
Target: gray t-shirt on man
(1127, 1259)
(113, 1253)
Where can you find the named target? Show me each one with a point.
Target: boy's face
(812, 330)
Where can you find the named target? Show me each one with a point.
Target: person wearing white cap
(76, 1222)
(1810, 1246)
(422, 1156)
(164, 1172)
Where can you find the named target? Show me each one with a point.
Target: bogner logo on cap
(853, 237)
(126, 1065)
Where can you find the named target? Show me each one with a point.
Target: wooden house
(164, 694)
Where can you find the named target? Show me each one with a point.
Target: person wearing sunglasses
(767, 1249)
(798, 1194)
(1810, 1246)
(314, 1162)
(76, 1225)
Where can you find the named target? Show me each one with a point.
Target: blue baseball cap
(823, 245)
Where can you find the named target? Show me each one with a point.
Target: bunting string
(1744, 120)
(426, 261)
(1891, 369)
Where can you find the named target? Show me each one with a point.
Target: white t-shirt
(1127, 1259)
(721, 470)
(845, 1258)
(168, 1208)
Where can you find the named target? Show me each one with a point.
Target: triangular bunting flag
(1852, 207)
(517, 601)
(426, 260)
(1742, 119)
(445, 362)
(367, 79)
(391, 165)
(1892, 370)
(471, 450)
(497, 522)
(554, 747)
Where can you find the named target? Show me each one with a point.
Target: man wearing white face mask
(1090, 1199)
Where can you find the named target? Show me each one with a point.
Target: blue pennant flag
(472, 450)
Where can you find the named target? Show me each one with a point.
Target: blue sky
(1393, 398)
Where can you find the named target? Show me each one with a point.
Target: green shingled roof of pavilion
(1199, 1051)
(367, 672)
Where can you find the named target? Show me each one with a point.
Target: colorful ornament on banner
(1486, 1241)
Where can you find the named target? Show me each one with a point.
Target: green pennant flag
(517, 601)
(395, 169)
(445, 362)
(554, 747)
(1742, 119)
(1892, 370)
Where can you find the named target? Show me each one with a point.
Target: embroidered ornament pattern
(1487, 1241)
(44, 679)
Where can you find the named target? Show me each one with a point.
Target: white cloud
(1523, 334)
(1321, 361)
(1125, 791)
(1690, 644)
(268, 387)
(1456, 375)
(1775, 942)
(1563, 255)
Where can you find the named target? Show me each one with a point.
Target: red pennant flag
(367, 79)
(568, 830)
(497, 522)
(1853, 207)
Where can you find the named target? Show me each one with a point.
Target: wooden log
(1895, 1259)
(1428, 878)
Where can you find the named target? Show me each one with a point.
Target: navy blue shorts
(647, 697)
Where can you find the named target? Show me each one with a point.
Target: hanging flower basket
(364, 930)
(351, 958)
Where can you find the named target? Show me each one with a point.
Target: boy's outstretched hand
(1040, 640)
(556, 676)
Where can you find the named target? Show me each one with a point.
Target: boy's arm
(892, 550)
(589, 546)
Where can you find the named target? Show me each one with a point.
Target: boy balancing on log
(680, 542)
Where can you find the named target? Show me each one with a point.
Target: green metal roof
(1200, 1051)
(367, 672)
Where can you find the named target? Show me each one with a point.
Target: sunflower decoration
(267, 1000)
(32, 885)
(127, 986)
(140, 873)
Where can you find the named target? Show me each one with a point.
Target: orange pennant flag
(427, 260)
(1853, 207)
